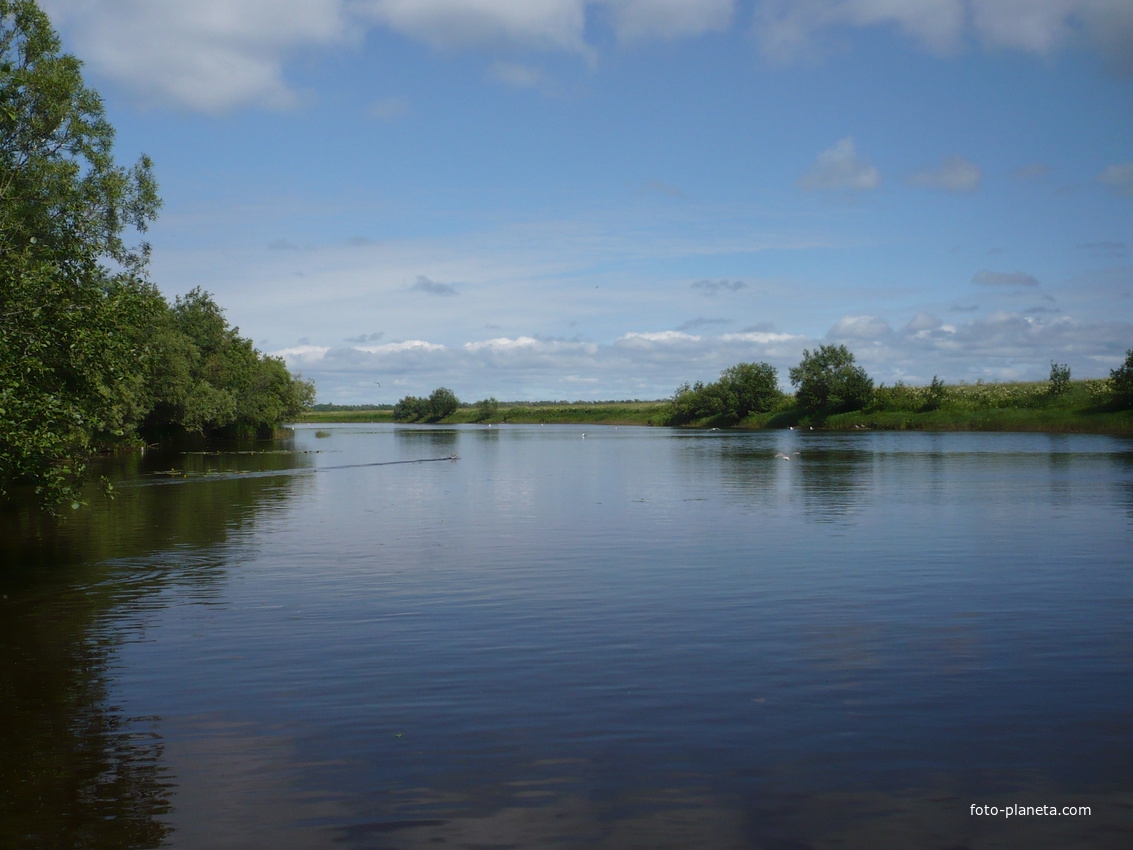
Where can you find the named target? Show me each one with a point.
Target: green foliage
(750, 388)
(487, 408)
(1059, 382)
(73, 299)
(1121, 381)
(935, 395)
(829, 382)
(209, 378)
(89, 350)
(742, 389)
(411, 408)
(442, 402)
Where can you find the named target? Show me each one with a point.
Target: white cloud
(209, 55)
(954, 174)
(922, 323)
(790, 30)
(860, 327)
(649, 339)
(1119, 178)
(454, 24)
(761, 337)
(1002, 345)
(300, 354)
(415, 345)
(218, 55)
(839, 168)
(641, 19)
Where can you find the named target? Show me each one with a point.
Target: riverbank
(1084, 407)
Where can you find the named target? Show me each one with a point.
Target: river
(570, 636)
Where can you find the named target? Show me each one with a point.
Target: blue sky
(595, 199)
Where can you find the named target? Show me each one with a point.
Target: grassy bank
(515, 413)
(1085, 407)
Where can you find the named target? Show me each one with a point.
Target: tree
(750, 388)
(1059, 378)
(742, 389)
(73, 296)
(442, 402)
(829, 382)
(89, 349)
(487, 408)
(1122, 380)
(410, 409)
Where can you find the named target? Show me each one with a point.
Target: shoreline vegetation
(93, 358)
(1082, 407)
(831, 392)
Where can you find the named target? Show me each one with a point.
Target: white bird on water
(788, 457)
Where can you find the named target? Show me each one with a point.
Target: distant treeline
(829, 384)
(323, 407)
(831, 389)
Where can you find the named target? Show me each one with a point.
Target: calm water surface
(577, 637)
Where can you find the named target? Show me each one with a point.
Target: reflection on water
(77, 769)
(636, 638)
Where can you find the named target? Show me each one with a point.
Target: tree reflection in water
(76, 770)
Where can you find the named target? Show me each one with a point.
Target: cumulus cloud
(209, 55)
(640, 19)
(217, 55)
(1009, 279)
(922, 323)
(650, 338)
(790, 30)
(954, 174)
(452, 24)
(432, 287)
(714, 287)
(301, 354)
(761, 337)
(840, 169)
(867, 328)
(407, 345)
(650, 364)
(1119, 178)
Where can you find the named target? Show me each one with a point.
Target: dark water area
(577, 637)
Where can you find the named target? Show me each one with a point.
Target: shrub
(1121, 380)
(487, 408)
(1059, 378)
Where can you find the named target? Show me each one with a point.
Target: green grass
(1085, 408)
(589, 413)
